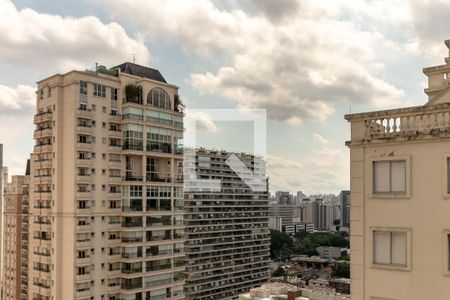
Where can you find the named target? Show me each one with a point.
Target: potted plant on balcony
(179, 105)
(133, 93)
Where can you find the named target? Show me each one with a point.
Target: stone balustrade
(405, 123)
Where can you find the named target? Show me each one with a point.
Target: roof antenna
(134, 57)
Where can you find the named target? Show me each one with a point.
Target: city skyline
(214, 68)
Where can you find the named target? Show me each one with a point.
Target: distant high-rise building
(324, 214)
(344, 199)
(15, 235)
(284, 211)
(228, 245)
(284, 197)
(300, 197)
(307, 211)
(106, 191)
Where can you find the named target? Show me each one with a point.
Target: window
(113, 94)
(49, 92)
(83, 87)
(99, 90)
(389, 176)
(390, 248)
(159, 98)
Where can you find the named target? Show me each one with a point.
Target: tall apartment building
(400, 197)
(284, 197)
(228, 246)
(306, 211)
(15, 235)
(285, 211)
(106, 213)
(344, 200)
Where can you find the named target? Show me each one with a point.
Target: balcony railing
(405, 123)
(156, 177)
(159, 147)
(132, 146)
(133, 117)
(132, 178)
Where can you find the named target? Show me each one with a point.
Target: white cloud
(16, 99)
(319, 139)
(297, 61)
(202, 120)
(325, 170)
(16, 127)
(51, 43)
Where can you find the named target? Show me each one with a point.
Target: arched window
(159, 98)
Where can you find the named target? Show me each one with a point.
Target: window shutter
(398, 176)
(399, 248)
(382, 247)
(381, 176)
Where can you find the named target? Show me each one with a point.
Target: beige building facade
(106, 213)
(15, 237)
(400, 198)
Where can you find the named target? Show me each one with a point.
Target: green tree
(281, 245)
(341, 270)
(279, 272)
(301, 234)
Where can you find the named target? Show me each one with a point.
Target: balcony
(83, 243)
(84, 228)
(84, 195)
(132, 222)
(42, 132)
(84, 146)
(115, 118)
(132, 178)
(83, 210)
(43, 195)
(45, 179)
(132, 270)
(132, 239)
(43, 148)
(114, 254)
(114, 195)
(85, 129)
(133, 117)
(83, 277)
(114, 148)
(82, 261)
(83, 293)
(44, 164)
(84, 113)
(84, 178)
(115, 241)
(114, 273)
(159, 147)
(404, 124)
(132, 208)
(115, 134)
(157, 177)
(115, 164)
(114, 226)
(132, 146)
(43, 117)
(86, 162)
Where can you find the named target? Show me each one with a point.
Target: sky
(308, 63)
